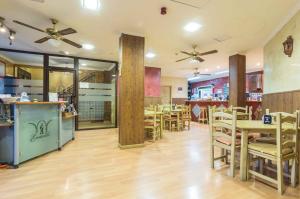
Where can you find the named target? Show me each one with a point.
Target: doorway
(166, 94)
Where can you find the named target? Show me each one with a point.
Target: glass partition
(62, 62)
(22, 73)
(97, 99)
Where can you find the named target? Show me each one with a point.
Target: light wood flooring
(92, 166)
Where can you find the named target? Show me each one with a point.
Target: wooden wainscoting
(152, 100)
(285, 101)
(179, 100)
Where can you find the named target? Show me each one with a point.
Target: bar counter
(196, 104)
(38, 128)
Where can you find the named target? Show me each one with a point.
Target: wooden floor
(93, 166)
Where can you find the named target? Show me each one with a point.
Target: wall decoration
(41, 130)
(288, 46)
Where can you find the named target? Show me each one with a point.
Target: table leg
(244, 155)
(178, 119)
(161, 125)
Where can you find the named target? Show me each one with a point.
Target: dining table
(257, 126)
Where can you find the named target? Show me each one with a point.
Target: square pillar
(131, 91)
(237, 80)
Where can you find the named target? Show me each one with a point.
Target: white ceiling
(247, 23)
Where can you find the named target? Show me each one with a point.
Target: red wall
(152, 82)
(219, 82)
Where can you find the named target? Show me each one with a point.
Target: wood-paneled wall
(152, 101)
(131, 95)
(285, 101)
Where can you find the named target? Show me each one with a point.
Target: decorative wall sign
(288, 46)
(41, 130)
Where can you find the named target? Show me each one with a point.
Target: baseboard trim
(130, 146)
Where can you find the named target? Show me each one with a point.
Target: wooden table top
(255, 125)
(152, 112)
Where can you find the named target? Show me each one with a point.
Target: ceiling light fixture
(83, 64)
(54, 42)
(192, 27)
(2, 27)
(258, 64)
(66, 53)
(88, 46)
(218, 67)
(11, 36)
(150, 55)
(91, 4)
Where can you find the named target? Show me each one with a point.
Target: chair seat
(228, 142)
(268, 148)
(268, 140)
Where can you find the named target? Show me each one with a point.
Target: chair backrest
(287, 131)
(226, 123)
(150, 118)
(186, 110)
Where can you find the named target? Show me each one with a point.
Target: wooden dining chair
(186, 116)
(171, 120)
(286, 148)
(243, 113)
(223, 135)
(151, 125)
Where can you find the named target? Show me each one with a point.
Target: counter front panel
(38, 130)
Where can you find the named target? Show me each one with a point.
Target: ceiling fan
(195, 55)
(53, 33)
(197, 73)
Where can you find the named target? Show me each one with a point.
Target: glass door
(61, 82)
(96, 94)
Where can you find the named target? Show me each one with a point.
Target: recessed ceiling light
(258, 64)
(2, 29)
(192, 27)
(83, 64)
(150, 55)
(91, 4)
(66, 53)
(218, 67)
(88, 46)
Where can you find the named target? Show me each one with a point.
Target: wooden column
(131, 91)
(237, 80)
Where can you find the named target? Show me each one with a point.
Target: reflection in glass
(23, 73)
(97, 94)
(62, 83)
(63, 62)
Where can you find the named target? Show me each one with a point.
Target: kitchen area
(215, 92)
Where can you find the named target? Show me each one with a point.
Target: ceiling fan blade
(28, 26)
(199, 59)
(67, 31)
(72, 43)
(187, 53)
(43, 40)
(183, 59)
(208, 52)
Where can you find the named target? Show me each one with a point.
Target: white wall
(176, 82)
(282, 73)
